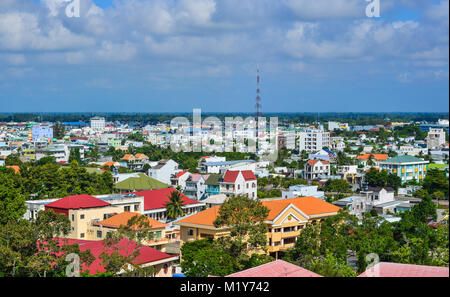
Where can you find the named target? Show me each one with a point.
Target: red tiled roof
(230, 176)
(277, 268)
(77, 202)
(156, 199)
(248, 175)
(181, 173)
(384, 269)
(147, 254)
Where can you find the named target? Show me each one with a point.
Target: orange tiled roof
(379, 157)
(16, 168)
(313, 162)
(308, 205)
(129, 157)
(122, 219)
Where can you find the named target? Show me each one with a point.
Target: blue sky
(176, 55)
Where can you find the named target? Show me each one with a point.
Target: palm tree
(174, 205)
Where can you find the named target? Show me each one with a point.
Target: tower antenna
(258, 105)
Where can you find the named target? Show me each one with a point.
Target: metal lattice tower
(258, 105)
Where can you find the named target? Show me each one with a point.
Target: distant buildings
(435, 139)
(302, 191)
(41, 132)
(98, 124)
(314, 140)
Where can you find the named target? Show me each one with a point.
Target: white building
(338, 126)
(98, 124)
(163, 171)
(302, 191)
(236, 183)
(316, 168)
(435, 138)
(314, 140)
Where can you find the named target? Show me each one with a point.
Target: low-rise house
(356, 205)
(371, 160)
(163, 171)
(196, 187)
(236, 183)
(302, 191)
(375, 196)
(316, 168)
(141, 182)
(213, 185)
(215, 200)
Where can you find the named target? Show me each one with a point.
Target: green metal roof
(404, 159)
(141, 183)
(213, 179)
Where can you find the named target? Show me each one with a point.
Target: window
(158, 234)
(136, 208)
(191, 232)
(127, 208)
(82, 217)
(81, 235)
(99, 234)
(166, 268)
(73, 218)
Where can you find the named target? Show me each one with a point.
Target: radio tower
(258, 105)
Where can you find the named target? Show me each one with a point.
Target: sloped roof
(314, 162)
(248, 175)
(146, 255)
(213, 179)
(140, 183)
(122, 219)
(77, 202)
(230, 176)
(385, 269)
(156, 199)
(277, 268)
(308, 205)
(404, 159)
(379, 157)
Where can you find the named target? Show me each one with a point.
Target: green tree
(244, 217)
(12, 201)
(174, 206)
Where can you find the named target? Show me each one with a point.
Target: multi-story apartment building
(406, 167)
(286, 219)
(314, 140)
(98, 124)
(435, 138)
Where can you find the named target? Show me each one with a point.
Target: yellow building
(99, 230)
(286, 219)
